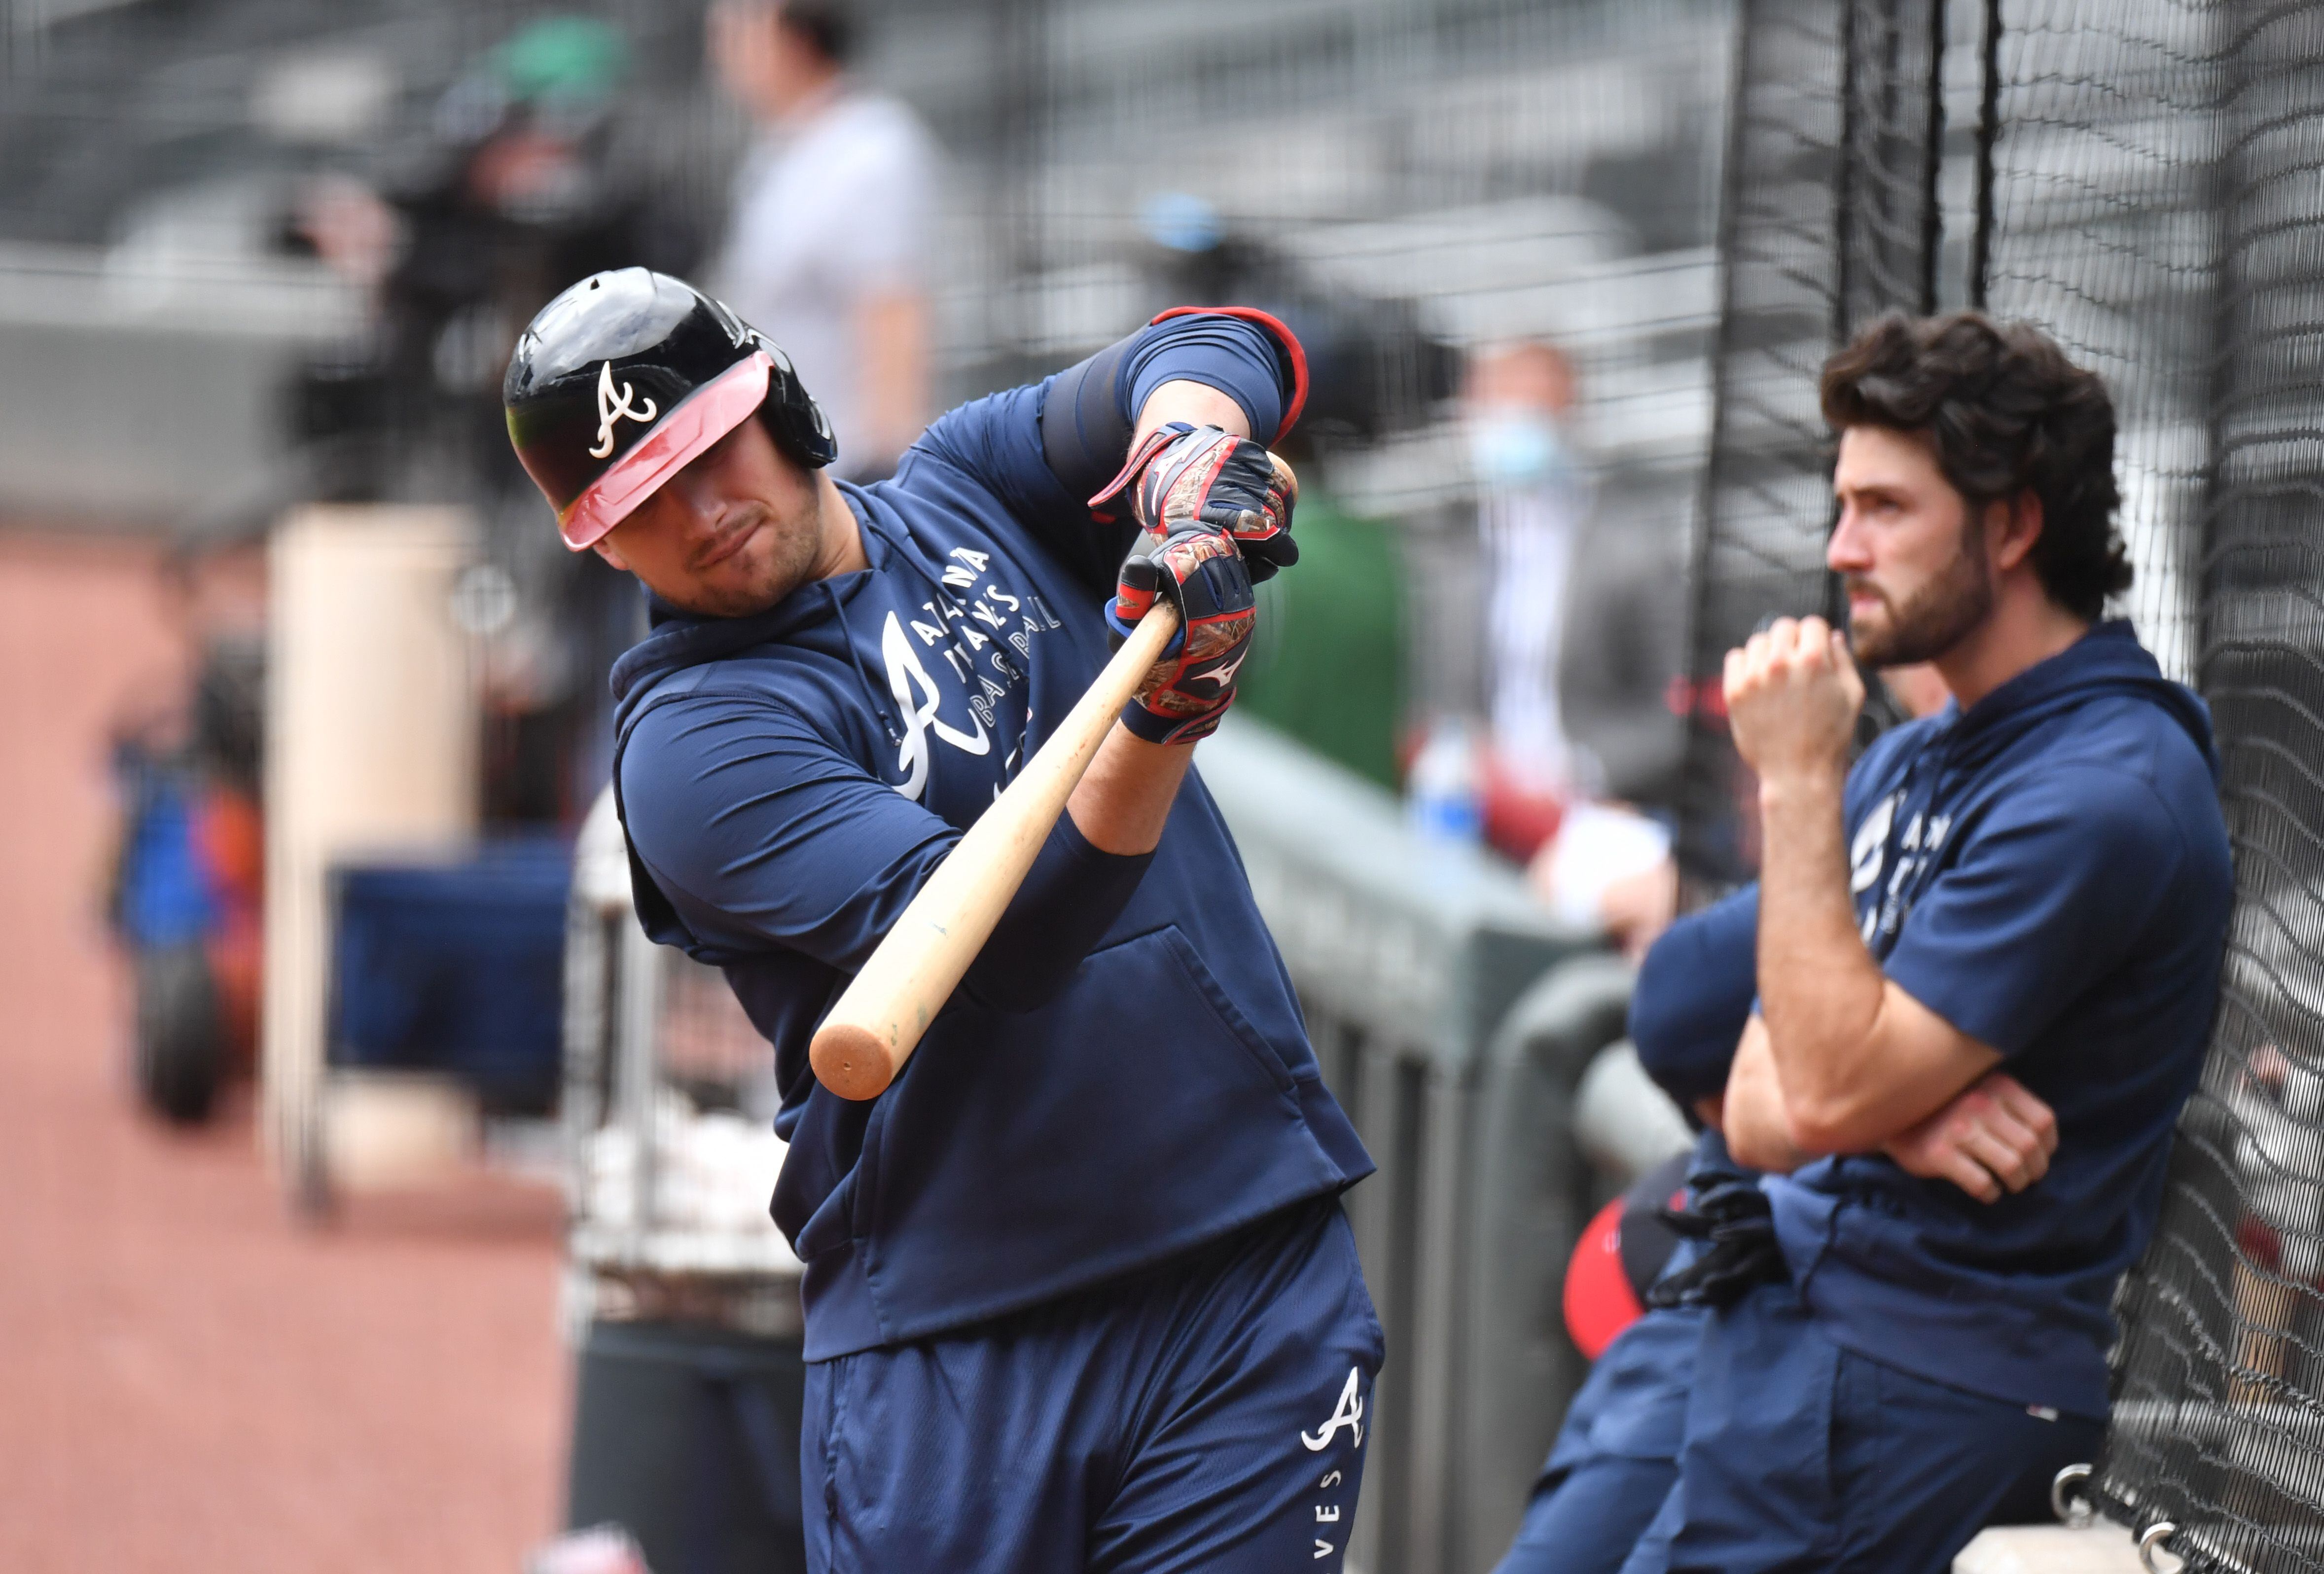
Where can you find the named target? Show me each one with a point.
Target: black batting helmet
(625, 378)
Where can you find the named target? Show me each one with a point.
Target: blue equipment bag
(456, 968)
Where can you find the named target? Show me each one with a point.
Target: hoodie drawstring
(871, 694)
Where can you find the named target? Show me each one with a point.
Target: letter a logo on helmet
(627, 378)
(611, 410)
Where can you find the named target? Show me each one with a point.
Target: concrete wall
(149, 389)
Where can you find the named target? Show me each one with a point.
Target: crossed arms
(1839, 1059)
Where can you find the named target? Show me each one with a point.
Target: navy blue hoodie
(2048, 871)
(1126, 1074)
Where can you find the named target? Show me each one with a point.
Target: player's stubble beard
(778, 558)
(1934, 618)
(776, 506)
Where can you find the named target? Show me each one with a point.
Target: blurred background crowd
(259, 256)
(305, 705)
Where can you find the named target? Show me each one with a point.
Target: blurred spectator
(1618, 635)
(527, 177)
(826, 248)
(1533, 501)
(516, 187)
(1584, 618)
(1619, 648)
(519, 195)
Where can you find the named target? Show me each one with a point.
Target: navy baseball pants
(1797, 1458)
(1617, 1455)
(1210, 1413)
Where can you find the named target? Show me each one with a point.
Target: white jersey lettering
(1871, 846)
(905, 674)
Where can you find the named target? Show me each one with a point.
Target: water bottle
(1442, 796)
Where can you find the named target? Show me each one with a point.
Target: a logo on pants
(1349, 1412)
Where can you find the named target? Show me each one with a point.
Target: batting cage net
(1831, 219)
(2145, 179)
(2218, 1427)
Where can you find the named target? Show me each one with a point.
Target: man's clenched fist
(1792, 694)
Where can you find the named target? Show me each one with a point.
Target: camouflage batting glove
(1182, 477)
(1200, 572)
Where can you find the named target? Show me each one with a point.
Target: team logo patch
(610, 408)
(917, 696)
(1349, 1412)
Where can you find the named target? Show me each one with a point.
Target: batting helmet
(627, 377)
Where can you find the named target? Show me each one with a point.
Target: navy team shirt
(1124, 1073)
(2049, 872)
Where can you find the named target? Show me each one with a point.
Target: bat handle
(867, 1036)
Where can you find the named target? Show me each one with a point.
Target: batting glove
(1189, 689)
(1735, 1220)
(1182, 477)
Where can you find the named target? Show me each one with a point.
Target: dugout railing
(1409, 956)
(1533, 1185)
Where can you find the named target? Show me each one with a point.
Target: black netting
(2219, 1426)
(2143, 178)
(2105, 227)
(1831, 218)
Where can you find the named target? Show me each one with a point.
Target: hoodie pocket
(1021, 1153)
(1180, 950)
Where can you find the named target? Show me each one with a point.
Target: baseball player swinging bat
(877, 1022)
(827, 835)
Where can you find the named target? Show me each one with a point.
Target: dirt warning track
(187, 1380)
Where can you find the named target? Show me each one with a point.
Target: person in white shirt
(1606, 864)
(826, 250)
(1533, 498)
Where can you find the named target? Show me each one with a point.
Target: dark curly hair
(827, 27)
(2005, 412)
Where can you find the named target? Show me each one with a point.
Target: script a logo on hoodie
(905, 676)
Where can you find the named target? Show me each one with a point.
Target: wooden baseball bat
(879, 1020)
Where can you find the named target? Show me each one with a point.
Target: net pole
(1693, 890)
(1846, 215)
(1843, 185)
(2222, 179)
(1988, 131)
(1933, 143)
